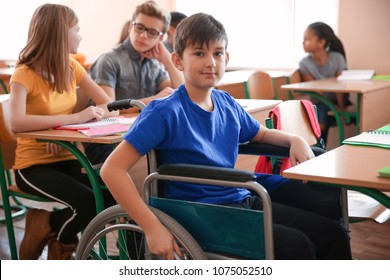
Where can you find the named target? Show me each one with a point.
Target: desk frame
(371, 96)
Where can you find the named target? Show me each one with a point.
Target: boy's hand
(159, 52)
(300, 151)
(162, 243)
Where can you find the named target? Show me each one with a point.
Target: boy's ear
(227, 56)
(176, 60)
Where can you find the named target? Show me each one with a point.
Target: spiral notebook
(377, 138)
(104, 122)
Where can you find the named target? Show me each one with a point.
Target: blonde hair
(152, 9)
(47, 49)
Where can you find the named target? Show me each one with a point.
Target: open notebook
(377, 138)
(107, 126)
(104, 122)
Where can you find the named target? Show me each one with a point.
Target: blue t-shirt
(182, 132)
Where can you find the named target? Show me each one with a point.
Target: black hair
(198, 29)
(332, 42)
(176, 18)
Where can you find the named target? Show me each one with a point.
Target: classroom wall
(101, 22)
(364, 29)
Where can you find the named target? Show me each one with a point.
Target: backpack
(268, 166)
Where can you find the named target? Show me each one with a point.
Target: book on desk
(356, 75)
(377, 138)
(104, 127)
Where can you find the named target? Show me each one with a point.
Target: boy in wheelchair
(201, 125)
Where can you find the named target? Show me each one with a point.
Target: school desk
(5, 75)
(349, 166)
(373, 98)
(233, 82)
(257, 107)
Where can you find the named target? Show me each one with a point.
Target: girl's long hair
(324, 31)
(47, 49)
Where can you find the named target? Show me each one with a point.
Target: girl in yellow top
(43, 95)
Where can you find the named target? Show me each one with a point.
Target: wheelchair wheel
(113, 235)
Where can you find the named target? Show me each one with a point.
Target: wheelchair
(202, 231)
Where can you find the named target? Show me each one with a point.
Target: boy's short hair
(176, 18)
(152, 9)
(198, 29)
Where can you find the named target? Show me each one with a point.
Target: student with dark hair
(326, 59)
(176, 18)
(139, 68)
(198, 124)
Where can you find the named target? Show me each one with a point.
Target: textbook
(104, 130)
(103, 122)
(384, 172)
(356, 75)
(377, 138)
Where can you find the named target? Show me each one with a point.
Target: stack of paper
(356, 75)
(103, 127)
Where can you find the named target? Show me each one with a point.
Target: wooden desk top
(251, 106)
(333, 85)
(346, 165)
(71, 136)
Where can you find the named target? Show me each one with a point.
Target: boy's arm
(114, 172)
(300, 151)
(161, 53)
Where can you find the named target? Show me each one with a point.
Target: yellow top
(42, 100)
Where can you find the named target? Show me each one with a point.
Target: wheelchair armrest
(255, 148)
(207, 172)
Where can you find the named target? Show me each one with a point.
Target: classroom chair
(297, 117)
(9, 190)
(260, 85)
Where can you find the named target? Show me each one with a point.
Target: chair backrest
(7, 141)
(294, 119)
(293, 78)
(260, 86)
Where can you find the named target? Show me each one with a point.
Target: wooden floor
(369, 240)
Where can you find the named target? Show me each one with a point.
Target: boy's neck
(200, 97)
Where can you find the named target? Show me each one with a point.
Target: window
(263, 33)
(14, 21)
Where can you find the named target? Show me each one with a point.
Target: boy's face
(143, 41)
(203, 66)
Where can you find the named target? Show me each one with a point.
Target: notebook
(384, 172)
(356, 75)
(377, 138)
(103, 122)
(104, 130)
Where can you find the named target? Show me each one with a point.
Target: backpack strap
(312, 114)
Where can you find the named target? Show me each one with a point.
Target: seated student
(125, 32)
(326, 59)
(42, 96)
(176, 18)
(199, 124)
(139, 68)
